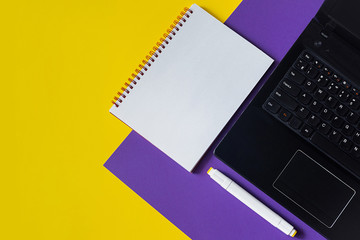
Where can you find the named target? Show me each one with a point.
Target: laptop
(299, 139)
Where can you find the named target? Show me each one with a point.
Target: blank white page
(190, 92)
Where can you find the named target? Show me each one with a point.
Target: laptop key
(284, 115)
(285, 100)
(355, 91)
(320, 94)
(312, 72)
(354, 103)
(315, 106)
(304, 98)
(307, 56)
(302, 112)
(355, 152)
(353, 117)
(306, 131)
(348, 130)
(345, 84)
(295, 123)
(334, 136)
(290, 87)
(356, 137)
(341, 109)
(327, 71)
(326, 113)
(322, 81)
(343, 95)
(296, 76)
(337, 122)
(272, 106)
(345, 144)
(324, 128)
(330, 101)
(313, 121)
(336, 77)
(318, 64)
(333, 88)
(309, 86)
(301, 64)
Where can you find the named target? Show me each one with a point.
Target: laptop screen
(345, 13)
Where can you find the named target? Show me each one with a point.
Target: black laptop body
(298, 139)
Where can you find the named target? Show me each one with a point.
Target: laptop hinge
(329, 27)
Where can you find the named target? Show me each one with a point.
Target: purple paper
(193, 202)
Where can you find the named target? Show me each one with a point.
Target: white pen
(252, 202)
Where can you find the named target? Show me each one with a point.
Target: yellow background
(61, 64)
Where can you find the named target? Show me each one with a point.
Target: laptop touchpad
(314, 188)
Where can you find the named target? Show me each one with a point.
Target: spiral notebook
(190, 85)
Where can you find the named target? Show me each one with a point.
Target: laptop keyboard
(320, 106)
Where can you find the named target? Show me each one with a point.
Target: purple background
(194, 202)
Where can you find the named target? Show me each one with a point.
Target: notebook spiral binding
(168, 36)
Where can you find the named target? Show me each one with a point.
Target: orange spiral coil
(153, 54)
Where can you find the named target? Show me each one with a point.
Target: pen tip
(293, 233)
(209, 170)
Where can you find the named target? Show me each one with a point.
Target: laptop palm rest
(314, 189)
